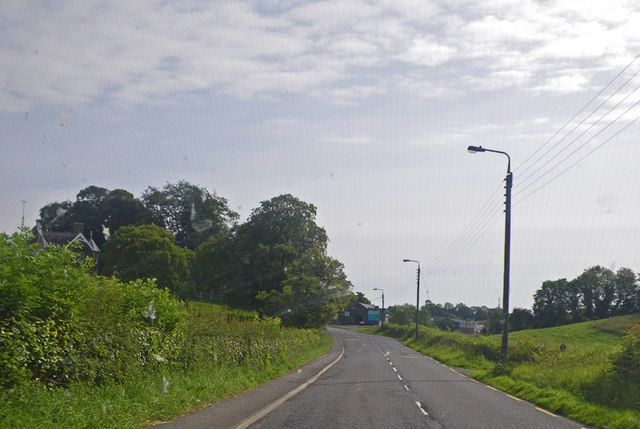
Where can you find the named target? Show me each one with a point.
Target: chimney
(78, 227)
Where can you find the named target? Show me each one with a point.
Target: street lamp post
(417, 294)
(382, 315)
(507, 248)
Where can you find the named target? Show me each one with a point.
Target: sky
(363, 108)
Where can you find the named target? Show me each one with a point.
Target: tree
(597, 286)
(494, 323)
(120, 208)
(402, 314)
(359, 297)
(148, 251)
(520, 318)
(550, 303)
(278, 232)
(315, 291)
(189, 212)
(53, 216)
(87, 210)
(627, 292)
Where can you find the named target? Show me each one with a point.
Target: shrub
(58, 322)
(627, 363)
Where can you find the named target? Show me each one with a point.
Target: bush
(627, 363)
(41, 292)
(58, 322)
(124, 329)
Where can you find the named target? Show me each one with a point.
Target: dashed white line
(421, 409)
(395, 369)
(406, 387)
(399, 377)
(546, 412)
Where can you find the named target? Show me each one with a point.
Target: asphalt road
(381, 383)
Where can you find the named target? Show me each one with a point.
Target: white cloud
(71, 54)
(428, 52)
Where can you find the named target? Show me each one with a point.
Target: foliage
(96, 208)
(402, 314)
(277, 263)
(597, 293)
(224, 352)
(147, 251)
(520, 318)
(59, 323)
(314, 292)
(627, 363)
(189, 212)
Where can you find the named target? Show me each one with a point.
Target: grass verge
(253, 353)
(568, 369)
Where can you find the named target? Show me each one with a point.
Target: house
(360, 314)
(468, 326)
(89, 247)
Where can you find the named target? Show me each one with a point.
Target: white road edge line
(275, 404)
(421, 409)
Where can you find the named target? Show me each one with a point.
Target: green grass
(578, 382)
(173, 390)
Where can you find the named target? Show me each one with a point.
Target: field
(573, 370)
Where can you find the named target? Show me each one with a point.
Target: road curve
(381, 383)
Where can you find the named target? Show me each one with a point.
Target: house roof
(46, 238)
(365, 306)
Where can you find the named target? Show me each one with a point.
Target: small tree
(148, 251)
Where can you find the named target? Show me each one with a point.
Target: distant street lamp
(507, 248)
(417, 294)
(382, 315)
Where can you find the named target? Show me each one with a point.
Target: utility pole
(417, 294)
(507, 248)
(22, 223)
(507, 264)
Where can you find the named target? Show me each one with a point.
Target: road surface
(381, 383)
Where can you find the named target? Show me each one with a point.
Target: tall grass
(573, 370)
(223, 353)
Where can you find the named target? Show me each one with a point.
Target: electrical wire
(581, 135)
(579, 160)
(520, 173)
(576, 115)
(585, 143)
(478, 217)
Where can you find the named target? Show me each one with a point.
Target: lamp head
(475, 149)
(406, 260)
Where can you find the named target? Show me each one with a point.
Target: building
(360, 314)
(89, 247)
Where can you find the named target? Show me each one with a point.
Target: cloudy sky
(363, 108)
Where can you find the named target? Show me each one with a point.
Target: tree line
(188, 239)
(597, 293)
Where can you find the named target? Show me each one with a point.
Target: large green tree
(551, 303)
(277, 233)
(314, 291)
(148, 251)
(96, 208)
(276, 262)
(189, 211)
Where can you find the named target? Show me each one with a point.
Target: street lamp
(417, 294)
(507, 248)
(382, 318)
